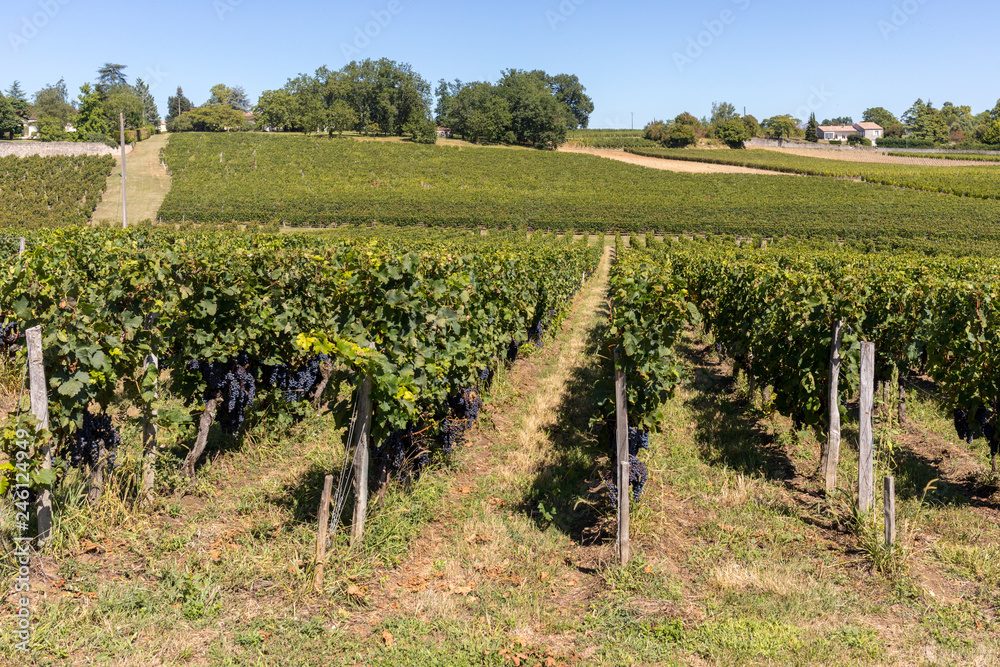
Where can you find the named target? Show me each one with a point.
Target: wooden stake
(149, 438)
(121, 120)
(866, 456)
(831, 456)
(901, 405)
(621, 438)
(362, 433)
(97, 474)
(40, 409)
(324, 519)
(20, 246)
(207, 416)
(889, 495)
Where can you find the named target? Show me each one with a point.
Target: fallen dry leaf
(387, 638)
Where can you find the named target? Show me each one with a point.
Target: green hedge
(903, 142)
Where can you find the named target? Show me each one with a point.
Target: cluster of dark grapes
(392, 454)
(512, 351)
(637, 477)
(464, 411)
(296, 384)
(720, 349)
(84, 448)
(240, 389)
(234, 381)
(486, 378)
(961, 419)
(10, 332)
(637, 439)
(535, 334)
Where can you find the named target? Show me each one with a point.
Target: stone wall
(24, 148)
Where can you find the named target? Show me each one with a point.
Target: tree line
(383, 97)
(94, 114)
(921, 122)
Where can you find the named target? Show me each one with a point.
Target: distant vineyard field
(982, 182)
(609, 139)
(308, 182)
(975, 157)
(51, 191)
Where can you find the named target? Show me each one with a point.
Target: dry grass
(148, 184)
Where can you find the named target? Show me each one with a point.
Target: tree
(341, 118)
(274, 110)
(733, 132)
(210, 118)
(10, 122)
(537, 118)
(880, 116)
(123, 100)
(812, 130)
(992, 134)
(685, 118)
(753, 127)
(51, 129)
(780, 126)
(110, 76)
(995, 112)
(957, 117)
(91, 122)
(656, 130)
(150, 114)
(894, 130)
(177, 104)
(234, 97)
(18, 100)
(446, 93)
(570, 93)
(923, 121)
(721, 113)
(52, 101)
(681, 135)
(839, 120)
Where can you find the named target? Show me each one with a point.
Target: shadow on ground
(568, 493)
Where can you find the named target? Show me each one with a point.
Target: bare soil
(879, 158)
(670, 165)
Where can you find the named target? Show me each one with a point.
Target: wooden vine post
(831, 454)
(362, 435)
(149, 437)
(20, 246)
(621, 439)
(40, 410)
(866, 441)
(889, 496)
(324, 519)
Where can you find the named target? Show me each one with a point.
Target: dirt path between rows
(671, 165)
(874, 157)
(485, 542)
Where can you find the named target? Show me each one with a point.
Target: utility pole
(633, 120)
(121, 120)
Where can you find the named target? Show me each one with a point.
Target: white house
(871, 131)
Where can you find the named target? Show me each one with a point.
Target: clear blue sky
(643, 57)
